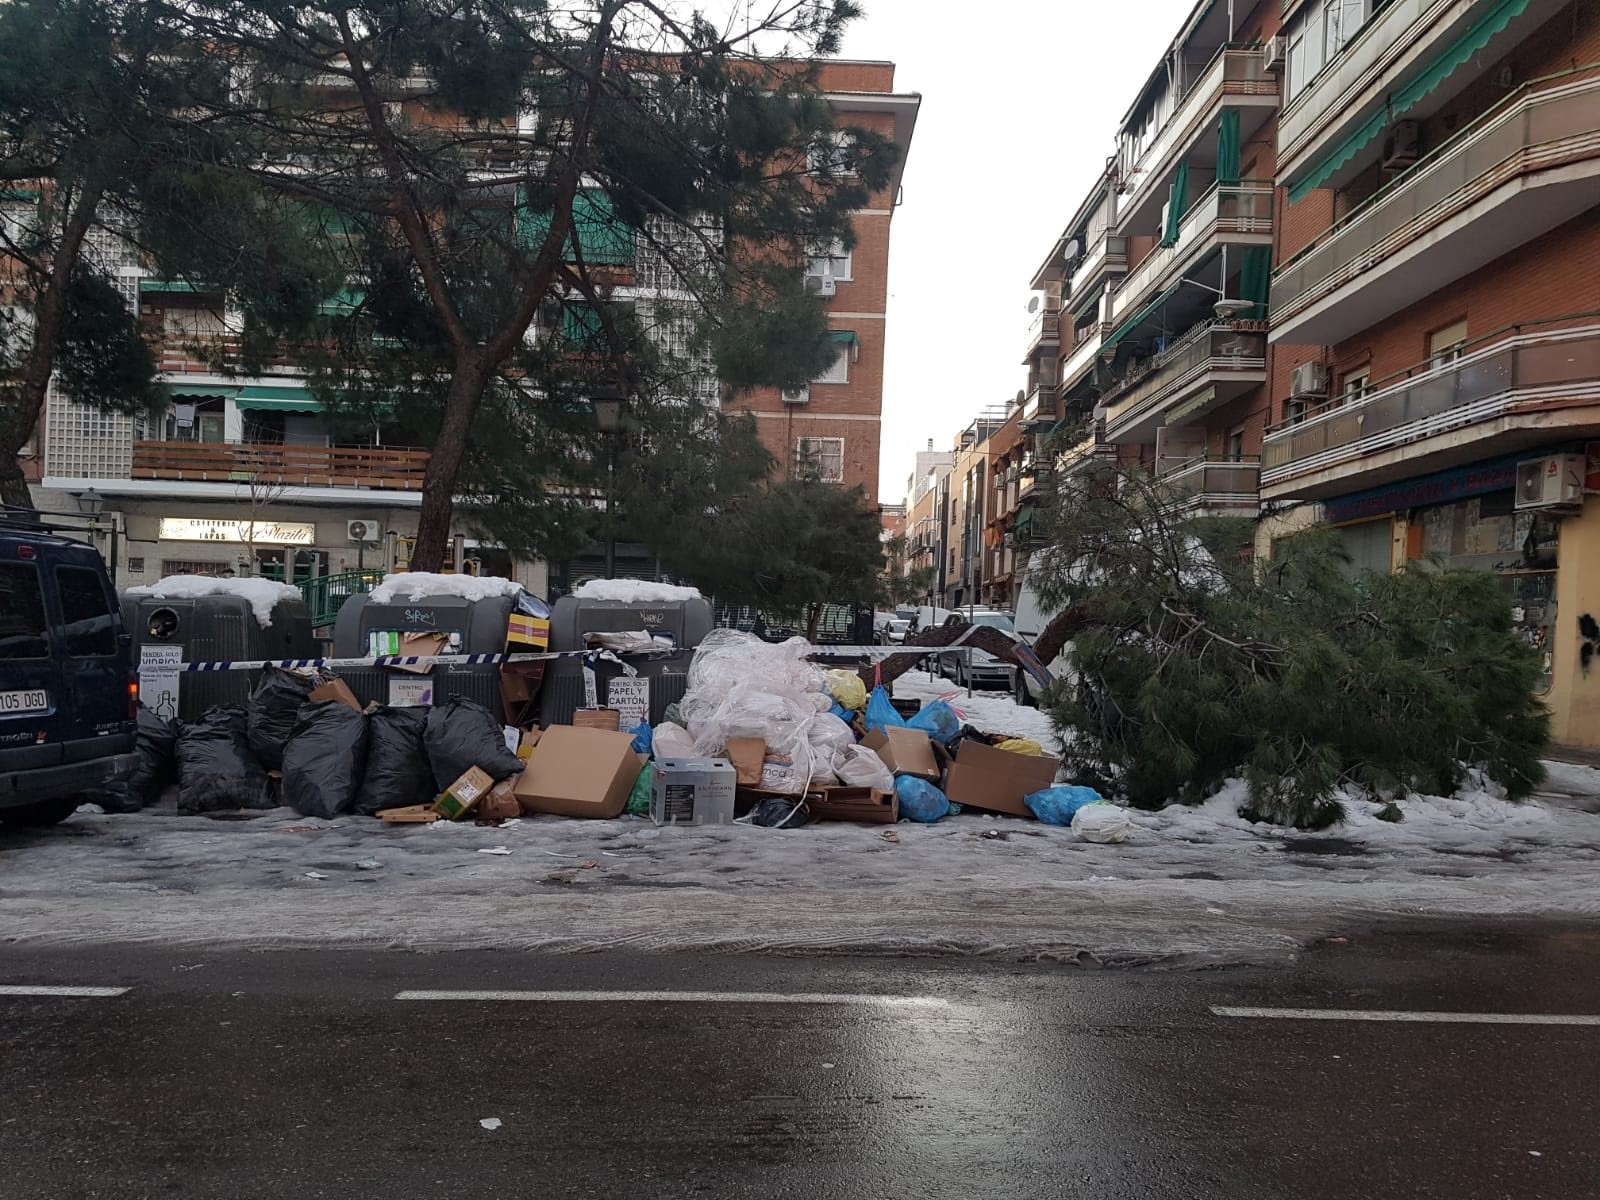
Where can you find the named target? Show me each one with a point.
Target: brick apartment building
(1423, 371)
(180, 486)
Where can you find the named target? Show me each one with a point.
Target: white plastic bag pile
(742, 687)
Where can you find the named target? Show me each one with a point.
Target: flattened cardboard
(997, 780)
(747, 755)
(411, 814)
(864, 804)
(576, 772)
(416, 645)
(462, 796)
(525, 745)
(335, 689)
(904, 751)
(597, 718)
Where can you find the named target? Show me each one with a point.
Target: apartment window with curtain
(825, 455)
(830, 260)
(1447, 344)
(1356, 384)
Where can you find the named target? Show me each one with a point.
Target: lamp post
(90, 505)
(609, 407)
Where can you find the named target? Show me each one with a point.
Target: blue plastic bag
(920, 800)
(843, 713)
(1058, 805)
(880, 712)
(938, 720)
(643, 739)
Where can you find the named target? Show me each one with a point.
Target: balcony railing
(204, 353)
(1083, 355)
(1218, 484)
(1533, 129)
(1044, 326)
(1245, 208)
(1233, 72)
(1040, 401)
(1560, 365)
(1186, 366)
(251, 464)
(1105, 256)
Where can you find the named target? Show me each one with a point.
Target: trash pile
(760, 736)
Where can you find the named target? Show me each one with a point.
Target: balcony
(275, 466)
(1039, 404)
(1081, 361)
(1237, 215)
(1525, 167)
(1044, 329)
(1512, 393)
(1107, 256)
(1215, 486)
(205, 353)
(1233, 79)
(1206, 368)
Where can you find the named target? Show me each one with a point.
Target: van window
(22, 627)
(85, 613)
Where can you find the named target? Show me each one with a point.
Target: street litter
(494, 850)
(490, 1123)
(315, 875)
(368, 864)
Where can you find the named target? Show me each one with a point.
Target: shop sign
(266, 533)
(1443, 488)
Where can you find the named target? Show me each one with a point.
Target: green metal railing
(327, 593)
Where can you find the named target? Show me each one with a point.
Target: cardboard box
(462, 796)
(904, 751)
(576, 772)
(597, 718)
(417, 645)
(867, 805)
(692, 791)
(411, 814)
(747, 755)
(499, 805)
(335, 689)
(525, 744)
(997, 780)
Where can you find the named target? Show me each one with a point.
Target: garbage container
(687, 621)
(457, 625)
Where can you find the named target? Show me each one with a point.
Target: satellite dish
(1021, 396)
(1033, 304)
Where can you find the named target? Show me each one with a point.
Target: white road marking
(1436, 1018)
(28, 989)
(592, 997)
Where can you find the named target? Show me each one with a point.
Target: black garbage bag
(216, 769)
(397, 772)
(272, 710)
(155, 743)
(325, 759)
(777, 812)
(463, 734)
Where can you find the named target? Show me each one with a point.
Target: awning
(343, 303)
(847, 337)
(1228, 146)
(194, 391)
(1454, 56)
(1177, 205)
(603, 237)
(1142, 317)
(151, 284)
(10, 195)
(273, 399)
(1192, 406)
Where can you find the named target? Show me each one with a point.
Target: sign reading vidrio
(265, 533)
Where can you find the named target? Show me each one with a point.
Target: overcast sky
(1020, 101)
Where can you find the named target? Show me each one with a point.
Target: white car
(1030, 623)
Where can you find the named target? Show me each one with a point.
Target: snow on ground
(989, 712)
(634, 591)
(262, 594)
(1192, 885)
(419, 585)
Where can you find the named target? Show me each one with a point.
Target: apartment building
(925, 521)
(836, 421)
(967, 505)
(243, 474)
(1149, 342)
(1436, 305)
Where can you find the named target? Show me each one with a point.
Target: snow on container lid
(263, 595)
(419, 585)
(634, 591)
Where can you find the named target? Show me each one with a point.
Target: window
(832, 260)
(1236, 445)
(188, 566)
(85, 613)
(1445, 345)
(840, 371)
(824, 455)
(1323, 29)
(833, 156)
(1355, 384)
(22, 626)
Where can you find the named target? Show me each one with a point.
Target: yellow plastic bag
(1021, 746)
(846, 687)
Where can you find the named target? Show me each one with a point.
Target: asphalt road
(303, 1075)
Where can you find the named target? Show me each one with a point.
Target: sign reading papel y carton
(267, 533)
(630, 696)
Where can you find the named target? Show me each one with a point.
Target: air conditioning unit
(1275, 54)
(1403, 146)
(363, 532)
(1309, 379)
(1555, 481)
(799, 395)
(822, 285)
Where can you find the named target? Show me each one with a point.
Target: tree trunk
(813, 615)
(1001, 645)
(444, 463)
(49, 315)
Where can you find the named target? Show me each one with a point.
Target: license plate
(29, 700)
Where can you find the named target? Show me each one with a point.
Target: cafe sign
(257, 533)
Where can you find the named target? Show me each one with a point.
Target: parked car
(981, 671)
(1031, 620)
(893, 631)
(68, 700)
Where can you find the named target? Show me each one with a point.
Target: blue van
(68, 699)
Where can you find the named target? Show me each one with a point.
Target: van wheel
(1022, 696)
(40, 814)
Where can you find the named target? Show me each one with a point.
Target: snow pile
(419, 585)
(990, 712)
(263, 594)
(634, 591)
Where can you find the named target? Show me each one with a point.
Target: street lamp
(90, 504)
(610, 405)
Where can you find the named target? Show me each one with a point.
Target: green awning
(603, 237)
(151, 284)
(1228, 149)
(274, 399)
(847, 337)
(346, 302)
(1140, 317)
(198, 391)
(1177, 205)
(1460, 52)
(1192, 406)
(14, 194)
(582, 327)
(1255, 281)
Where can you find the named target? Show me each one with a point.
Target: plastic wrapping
(1102, 823)
(920, 800)
(639, 798)
(938, 720)
(670, 740)
(461, 735)
(216, 769)
(846, 688)
(881, 712)
(1058, 805)
(859, 767)
(829, 736)
(272, 711)
(1021, 746)
(325, 759)
(397, 774)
